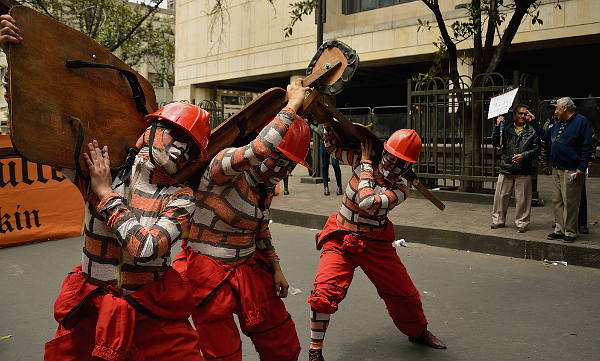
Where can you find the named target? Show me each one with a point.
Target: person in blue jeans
(325, 161)
(325, 158)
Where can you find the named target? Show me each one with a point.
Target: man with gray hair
(570, 140)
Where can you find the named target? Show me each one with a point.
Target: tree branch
(41, 5)
(489, 34)
(98, 16)
(120, 42)
(452, 52)
(521, 7)
(477, 41)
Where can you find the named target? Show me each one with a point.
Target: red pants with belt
(246, 290)
(96, 324)
(342, 252)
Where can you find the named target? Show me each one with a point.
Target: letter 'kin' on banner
(36, 202)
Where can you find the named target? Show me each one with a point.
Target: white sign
(501, 104)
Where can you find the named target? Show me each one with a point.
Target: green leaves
(298, 10)
(134, 32)
(423, 24)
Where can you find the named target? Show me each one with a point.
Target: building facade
(244, 48)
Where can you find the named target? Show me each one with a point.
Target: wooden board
(45, 94)
(246, 122)
(238, 128)
(352, 134)
(328, 56)
(241, 127)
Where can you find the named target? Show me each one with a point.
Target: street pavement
(462, 225)
(485, 307)
(462, 216)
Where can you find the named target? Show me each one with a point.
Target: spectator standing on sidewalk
(547, 169)
(519, 145)
(325, 160)
(545, 146)
(361, 235)
(570, 140)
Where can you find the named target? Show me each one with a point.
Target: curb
(573, 254)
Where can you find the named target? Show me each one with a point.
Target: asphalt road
(485, 307)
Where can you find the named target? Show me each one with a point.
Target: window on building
(231, 99)
(355, 6)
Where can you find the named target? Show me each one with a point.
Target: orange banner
(37, 203)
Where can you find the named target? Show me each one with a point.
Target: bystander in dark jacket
(570, 140)
(519, 145)
(516, 141)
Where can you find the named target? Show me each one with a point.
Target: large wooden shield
(52, 105)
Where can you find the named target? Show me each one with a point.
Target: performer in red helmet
(361, 235)
(125, 302)
(229, 257)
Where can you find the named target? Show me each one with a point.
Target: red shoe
(315, 354)
(428, 339)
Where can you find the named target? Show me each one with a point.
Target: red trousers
(248, 291)
(95, 324)
(381, 264)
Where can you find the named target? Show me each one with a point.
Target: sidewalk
(463, 226)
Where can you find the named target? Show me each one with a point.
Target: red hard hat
(188, 117)
(296, 142)
(404, 144)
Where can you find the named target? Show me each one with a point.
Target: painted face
(171, 148)
(273, 169)
(392, 167)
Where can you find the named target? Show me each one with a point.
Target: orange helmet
(296, 142)
(188, 117)
(404, 144)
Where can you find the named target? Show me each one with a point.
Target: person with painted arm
(361, 235)
(229, 256)
(125, 299)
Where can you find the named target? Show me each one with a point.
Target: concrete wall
(391, 32)
(252, 43)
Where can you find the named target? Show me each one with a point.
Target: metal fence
(453, 124)
(383, 120)
(216, 111)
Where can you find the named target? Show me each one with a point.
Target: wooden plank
(352, 134)
(45, 94)
(411, 177)
(327, 69)
(239, 127)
